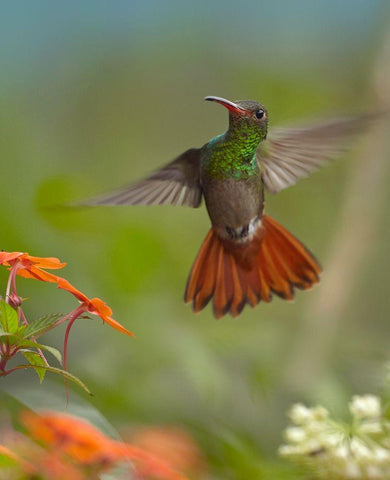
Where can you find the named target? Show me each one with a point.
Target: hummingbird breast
(235, 206)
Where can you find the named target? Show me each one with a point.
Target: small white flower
(312, 446)
(371, 428)
(300, 414)
(367, 406)
(342, 452)
(360, 450)
(332, 440)
(352, 471)
(381, 455)
(295, 434)
(314, 428)
(287, 450)
(320, 413)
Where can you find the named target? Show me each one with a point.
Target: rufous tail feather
(236, 274)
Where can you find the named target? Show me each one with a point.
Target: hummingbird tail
(235, 274)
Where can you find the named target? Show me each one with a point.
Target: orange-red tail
(234, 274)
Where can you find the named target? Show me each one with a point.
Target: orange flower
(51, 465)
(70, 435)
(174, 445)
(88, 446)
(96, 306)
(31, 267)
(147, 464)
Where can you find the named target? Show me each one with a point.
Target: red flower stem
(14, 283)
(65, 318)
(23, 316)
(73, 316)
(11, 280)
(7, 292)
(3, 363)
(5, 356)
(18, 367)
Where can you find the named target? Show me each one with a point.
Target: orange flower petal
(6, 257)
(65, 285)
(27, 260)
(51, 263)
(96, 306)
(114, 324)
(174, 445)
(38, 274)
(71, 435)
(147, 464)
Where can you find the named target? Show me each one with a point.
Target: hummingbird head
(245, 116)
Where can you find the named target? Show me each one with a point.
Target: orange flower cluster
(28, 266)
(70, 442)
(173, 444)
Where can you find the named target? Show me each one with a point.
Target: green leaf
(35, 360)
(42, 325)
(16, 396)
(30, 343)
(54, 351)
(21, 330)
(8, 318)
(59, 371)
(11, 338)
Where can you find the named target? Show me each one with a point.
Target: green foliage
(6, 461)
(23, 343)
(41, 325)
(36, 361)
(8, 318)
(21, 339)
(42, 369)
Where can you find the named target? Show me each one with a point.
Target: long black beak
(233, 107)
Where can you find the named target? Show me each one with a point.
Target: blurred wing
(178, 183)
(293, 153)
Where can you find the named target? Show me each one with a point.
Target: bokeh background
(95, 94)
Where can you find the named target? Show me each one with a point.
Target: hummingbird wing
(178, 183)
(289, 154)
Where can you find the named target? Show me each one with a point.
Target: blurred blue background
(95, 94)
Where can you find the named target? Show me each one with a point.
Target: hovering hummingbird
(247, 255)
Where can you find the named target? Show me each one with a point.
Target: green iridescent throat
(233, 154)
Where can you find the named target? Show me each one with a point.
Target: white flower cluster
(335, 451)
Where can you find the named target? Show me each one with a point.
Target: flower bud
(14, 300)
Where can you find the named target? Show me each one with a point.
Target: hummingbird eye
(259, 113)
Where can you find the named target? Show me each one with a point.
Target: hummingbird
(247, 256)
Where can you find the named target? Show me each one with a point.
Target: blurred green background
(95, 94)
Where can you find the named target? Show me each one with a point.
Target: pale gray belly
(235, 207)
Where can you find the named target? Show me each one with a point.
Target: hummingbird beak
(233, 107)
